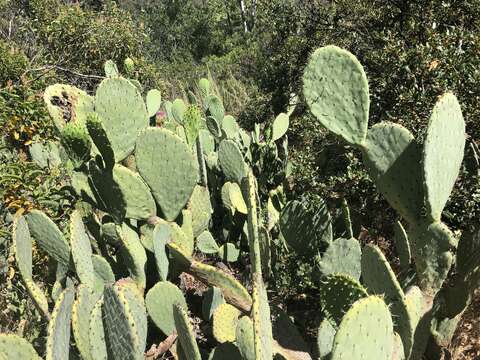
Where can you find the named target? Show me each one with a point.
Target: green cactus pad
(82, 308)
(443, 153)
(392, 158)
(212, 298)
(76, 141)
(326, 334)
(214, 107)
(38, 296)
(133, 256)
(192, 123)
(336, 90)
(467, 252)
(48, 236)
(102, 272)
(245, 338)
(225, 319)
(204, 87)
(306, 229)
(201, 209)
(58, 340)
(342, 256)
(46, 155)
(225, 351)
(99, 136)
(229, 252)
(123, 333)
(170, 171)
(178, 110)
(234, 292)
(123, 113)
(110, 68)
(230, 127)
(185, 333)
(14, 347)
(187, 227)
(154, 100)
(81, 249)
(67, 104)
(82, 187)
(134, 298)
(108, 196)
(337, 294)
(231, 161)
(280, 126)
(206, 243)
(415, 304)
(431, 245)
(129, 66)
(213, 127)
(402, 245)
(160, 301)
(96, 333)
(379, 278)
(161, 235)
(368, 319)
(23, 246)
(262, 325)
(179, 237)
(232, 198)
(138, 199)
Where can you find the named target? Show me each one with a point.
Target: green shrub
(13, 63)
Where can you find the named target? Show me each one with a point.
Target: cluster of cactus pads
(163, 183)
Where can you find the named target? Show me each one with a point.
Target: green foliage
(13, 63)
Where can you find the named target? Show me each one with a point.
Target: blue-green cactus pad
(443, 153)
(342, 256)
(169, 168)
(336, 89)
(123, 113)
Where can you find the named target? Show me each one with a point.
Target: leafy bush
(13, 63)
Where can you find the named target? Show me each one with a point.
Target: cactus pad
(231, 161)
(110, 68)
(214, 107)
(100, 139)
(185, 333)
(178, 110)
(23, 246)
(233, 291)
(14, 347)
(81, 249)
(280, 126)
(170, 170)
(154, 100)
(402, 246)
(368, 319)
(96, 333)
(123, 113)
(76, 141)
(342, 256)
(58, 341)
(201, 209)
(379, 278)
(337, 294)
(326, 334)
(212, 298)
(160, 301)
(245, 338)
(443, 153)
(82, 308)
(431, 245)
(133, 256)
(139, 201)
(123, 333)
(230, 127)
(336, 89)
(232, 198)
(67, 104)
(225, 319)
(229, 252)
(48, 236)
(305, 229)
(392, 158)
(206, 243)
(161, 235)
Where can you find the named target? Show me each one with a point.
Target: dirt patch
(466, 342)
